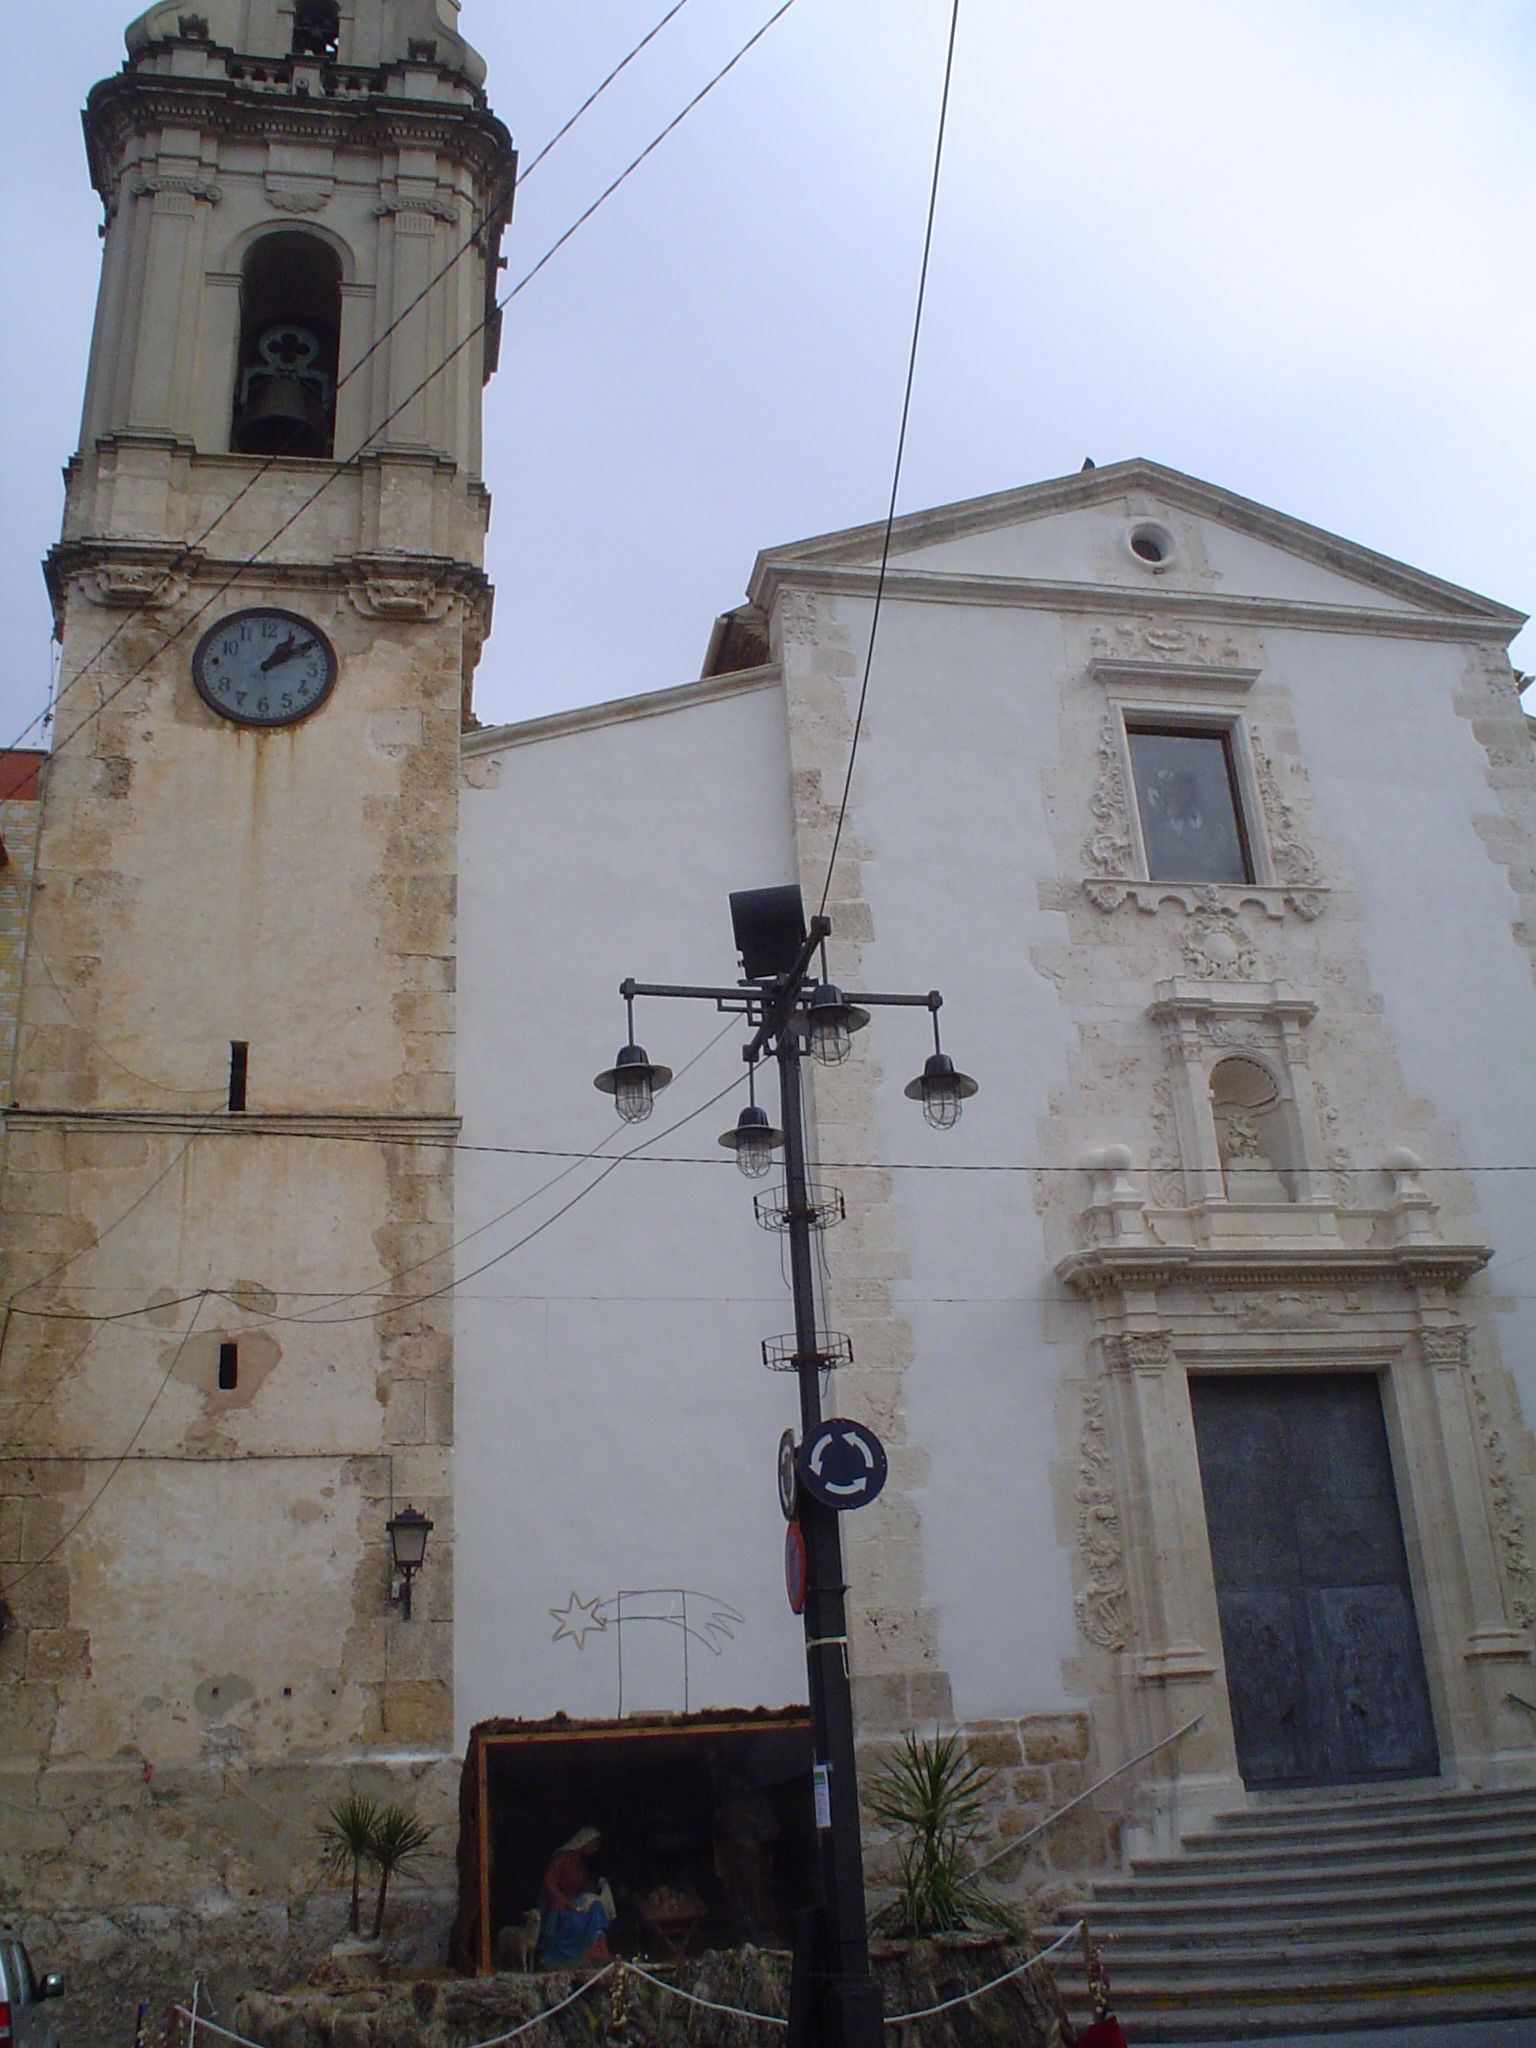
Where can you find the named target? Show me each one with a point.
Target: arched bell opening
(290, 326)
(317, 29)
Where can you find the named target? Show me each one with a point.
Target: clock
(264, 667)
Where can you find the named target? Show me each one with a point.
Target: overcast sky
(1287, 249)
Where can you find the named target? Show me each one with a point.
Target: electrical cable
(238, 1127)
(502, 200)
(391, 1307)
(402, 1272)
(342, 467)
(597, 92)
(901, 445)
(36, 1564)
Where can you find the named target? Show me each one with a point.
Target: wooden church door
(1324, 1667)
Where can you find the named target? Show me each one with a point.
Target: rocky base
(113, 1961)
(1026, 2012)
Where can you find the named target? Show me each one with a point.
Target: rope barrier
(497, 2040)
(207, 2026)
(549, 2011)
(970, 1997)
(737, 2012)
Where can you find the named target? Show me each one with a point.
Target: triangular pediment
(1142, 528)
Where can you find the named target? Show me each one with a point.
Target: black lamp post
(793, 1012)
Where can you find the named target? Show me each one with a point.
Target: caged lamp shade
(634, 1083)
(941, 1088)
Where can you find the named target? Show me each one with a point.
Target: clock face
(264, 667)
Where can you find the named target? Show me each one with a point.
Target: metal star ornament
(578, 1619)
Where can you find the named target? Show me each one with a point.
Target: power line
(500, 200)
(597, 92)
(901, 447)
(37, 1563)
(235, 1126)
(386, 1303)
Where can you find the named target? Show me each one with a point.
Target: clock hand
(290, 647)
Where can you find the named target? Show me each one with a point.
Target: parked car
(25, 2021)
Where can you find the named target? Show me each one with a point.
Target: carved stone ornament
(1341, 1173)
(1278, 1311)
(419, 599)
(1103, 1606)
(297, 193)
(185, 188)
(1140, 1351)
(1446, 1350)
(1508, 1527)
(1295, 863)
(1107, 851)
(137, 586)
(432, 209)
(1165, 1176)
(1241, 1034)
(1217, 948)
(1165, 640)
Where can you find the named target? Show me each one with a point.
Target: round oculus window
(1151, 544)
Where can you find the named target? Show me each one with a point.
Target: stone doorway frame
(1160, 1314)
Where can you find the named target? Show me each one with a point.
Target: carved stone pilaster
(1445, 1350)
(1103, 1606)
(1108, 850)
(1140, 1351)
(1508, 1523)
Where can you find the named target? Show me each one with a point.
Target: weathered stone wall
(137, 1884)
(18, 830)
(1025, 2012)
(1037, 1765)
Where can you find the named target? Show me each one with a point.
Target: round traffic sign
(842, 1463)
(787, 1483)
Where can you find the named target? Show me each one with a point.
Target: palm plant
(347, 1837)
(931, 1795)
(399, 1840)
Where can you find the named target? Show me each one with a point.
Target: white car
(25, 2021)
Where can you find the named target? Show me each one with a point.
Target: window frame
(1199, 722)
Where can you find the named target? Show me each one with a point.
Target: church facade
(1202, 1350)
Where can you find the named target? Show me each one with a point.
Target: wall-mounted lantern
(408, 1533)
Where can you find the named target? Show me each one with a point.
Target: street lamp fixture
(633, 1080)
(754, 1140)
(831, 1021)
(408, 1533)
(791, 1011)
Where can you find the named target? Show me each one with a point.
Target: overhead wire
(901, 446)
(36, 1564)
(501, 201)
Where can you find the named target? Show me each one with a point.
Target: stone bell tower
(229, 1200)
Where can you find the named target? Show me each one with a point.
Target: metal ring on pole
(783, 1354)
(825, 1208)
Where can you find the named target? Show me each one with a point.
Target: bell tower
(226, 1363)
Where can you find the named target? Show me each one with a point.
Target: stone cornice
(1103, 1270)
(1116, 482)
(150, 575)
(133, 102)
(493, 739)
(925, 586)
(378, 1127)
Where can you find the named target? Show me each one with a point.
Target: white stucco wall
(615, 1426)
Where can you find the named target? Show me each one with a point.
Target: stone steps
(1387, 1907)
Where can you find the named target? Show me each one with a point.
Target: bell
(282, 417)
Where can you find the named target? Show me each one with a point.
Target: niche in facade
(290, 329)
(1254, 1139)
(317, 29)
